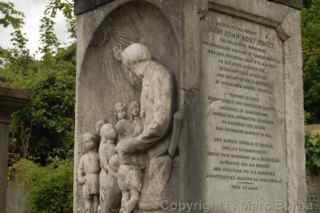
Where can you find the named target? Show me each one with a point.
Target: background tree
(49, 40)
(311, 51)
(10, 16)
(43, 131)
(41, 142)
(66, 7)
(307, 3)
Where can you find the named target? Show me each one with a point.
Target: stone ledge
(10, 101)
(83, 6)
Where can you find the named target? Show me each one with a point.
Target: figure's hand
(127, 145)
(122, 147)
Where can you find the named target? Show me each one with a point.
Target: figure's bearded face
(132, 75)
(130, 57)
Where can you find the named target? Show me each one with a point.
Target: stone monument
(190, 105)
(10, 101)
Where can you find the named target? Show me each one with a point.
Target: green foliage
(307, 3)
(9, 16)
(66, 7)
(19, 42)
(14, 18)
(43, 130)
(307, 117)
(49, 40)
(312, 147)
(50, 115)
(311, 49)
(50, 187)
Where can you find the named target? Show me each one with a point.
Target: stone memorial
(10, 101)
(189, 106)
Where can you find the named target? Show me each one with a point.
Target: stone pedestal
(236, 68)
(10, 101)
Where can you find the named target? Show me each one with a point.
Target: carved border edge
(296, 189)
(277, 26)
(84, 6)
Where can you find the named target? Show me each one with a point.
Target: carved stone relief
(127, 99)
(132, 167)
(88, 174)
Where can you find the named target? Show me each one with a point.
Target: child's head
(134, 109)
(89, 141)
(120, 111)
(99, 124)
(107, 132)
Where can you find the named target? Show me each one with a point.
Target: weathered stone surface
(313, 183)
(4, 134)
(139, 165)
(110, 194)
(244, 87)
(88, 174)
(83, 6)
(254, 142)
(196, 43)
(143, 23)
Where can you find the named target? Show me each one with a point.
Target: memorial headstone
(10, 101)
(191, 106)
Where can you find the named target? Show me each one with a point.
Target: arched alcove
(102, 82)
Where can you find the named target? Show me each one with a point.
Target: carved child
(131, 127)
(123, 125)
(129, 172)
(88, 174)
(110, 194)
(127, 129)
(139, 159)
(134, 117)
(129, 181)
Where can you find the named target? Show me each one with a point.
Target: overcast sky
(33, 11)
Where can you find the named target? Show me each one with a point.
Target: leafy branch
(66, 7)
(312, 147)
(10, 16)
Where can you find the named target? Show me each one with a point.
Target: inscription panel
(243, 90)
